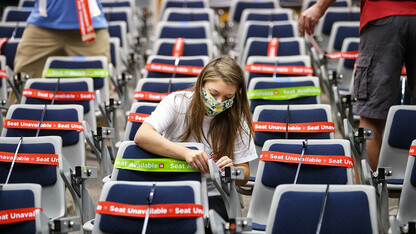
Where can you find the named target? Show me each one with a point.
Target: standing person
(62, 28)
(387, 40)
(215, 112)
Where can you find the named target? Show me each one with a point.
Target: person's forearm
(246, 174)
(153, 142)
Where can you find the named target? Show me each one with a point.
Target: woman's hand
(198, 160)
(223, 162)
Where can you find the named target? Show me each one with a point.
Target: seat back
(400, 131)
(40, 172)
(340, 3)
(303, 62)
(124, 14)
(19, 196)
(70, 115)
(272, 174)
(158, 66)
(118, 29)
(261, 47)
(191, 47)
(166, 4)
(12, 29)
(281, 29)
(339, 32)
(191, 14)
(135, 193)
(81, 89)
(138, 112)
(357, 213)
(346, 66)
(15, 14)
(305, 94)
(95, 67)
(406, 211)
(129, 150)
(309, 113)
(26, 3)
(155, 89)
(194, 30)
(9, 50)
(237, 8)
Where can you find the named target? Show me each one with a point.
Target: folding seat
(238, 6)
(346, 66)
(332, 15)
(3, 81)
(190, 47)
(165, 4)
(138, 112)
(39, 161)
(12, 29)
(279, 29)
(406, 211)
(23, 120)
(9, 50)
(158, 66)
(347, 209)
(24, 199)
(283, 66)
(155, 89)
(283, 91)
(190, 15)
(165, 198)
(95, 67)
(26, 3)
(399, 132)
(14, 14)
(323, 162)
(340, 3)
(272, 47)
(78, 91)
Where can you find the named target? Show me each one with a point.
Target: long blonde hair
(228, 125)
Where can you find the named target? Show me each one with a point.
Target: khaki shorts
(38, 44)
(385, 45)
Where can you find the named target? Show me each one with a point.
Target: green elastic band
(87, 72)
(284, 93)
(154, 165)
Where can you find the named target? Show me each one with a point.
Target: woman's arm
(149, 139)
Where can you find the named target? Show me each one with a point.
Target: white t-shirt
(169, 120)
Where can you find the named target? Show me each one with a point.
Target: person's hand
(198, 160)
(224, 162)
(308, 20)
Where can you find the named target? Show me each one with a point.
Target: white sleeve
(244, 149)
(163, 116)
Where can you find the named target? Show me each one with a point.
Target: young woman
(215, 112)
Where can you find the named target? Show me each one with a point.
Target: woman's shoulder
(179, 98)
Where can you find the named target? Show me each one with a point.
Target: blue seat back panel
(136, 195)
(16, 200)
(295, 116)
(403, 129)
(345, 212)
(135, 125)
(277, 173)
(69, 137)
(62, 87)
(28, 173)
(98, 82)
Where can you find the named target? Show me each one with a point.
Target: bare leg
(373, 146)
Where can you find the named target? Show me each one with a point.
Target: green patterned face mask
(214, 107)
